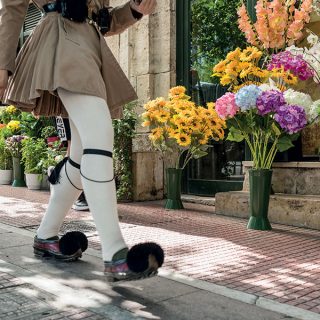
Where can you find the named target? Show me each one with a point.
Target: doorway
(221, 170)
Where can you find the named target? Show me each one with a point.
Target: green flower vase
(18, 173)
(260, 188)
(173, 183)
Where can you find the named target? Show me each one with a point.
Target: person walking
(66, 69)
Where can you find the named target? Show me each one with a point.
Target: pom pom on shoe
(145, 256)
(72, 241)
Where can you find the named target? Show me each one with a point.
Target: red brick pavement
(282, 265)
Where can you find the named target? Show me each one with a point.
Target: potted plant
(49, 133)
(33, 151)
(180, 128)
(50, 158)
(5, 163)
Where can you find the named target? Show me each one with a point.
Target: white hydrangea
(314, 111)
(301, 99)
(269, 86)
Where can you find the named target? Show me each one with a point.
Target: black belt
(61, 6)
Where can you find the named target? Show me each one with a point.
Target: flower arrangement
(178, 125)
(262, 109)
(279, 23)
(244, 67)
(14, 145)
(267, 120)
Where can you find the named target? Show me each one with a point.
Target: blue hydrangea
(246, 97)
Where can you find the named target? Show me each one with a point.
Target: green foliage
(33, 151)
(48, 131)
(124, 130)
(262, 134)
(29, 125)
(5, 156)
(214, 33)
(251, 9)
(50, 157)
(5, 133)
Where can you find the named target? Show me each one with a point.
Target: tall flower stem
(187, 158)
(271, 155)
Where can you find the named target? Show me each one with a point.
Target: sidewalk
(205, 255)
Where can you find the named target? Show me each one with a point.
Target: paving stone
(28, 302)
(282, 264)
(7, 280)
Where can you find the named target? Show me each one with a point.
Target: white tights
(91, 128)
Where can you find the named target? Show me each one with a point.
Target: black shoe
(80, 205)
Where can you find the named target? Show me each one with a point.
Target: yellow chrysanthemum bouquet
(178, 125)
(245, 67)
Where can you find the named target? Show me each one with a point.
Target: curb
(260, 302)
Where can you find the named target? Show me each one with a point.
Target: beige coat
(61, 53)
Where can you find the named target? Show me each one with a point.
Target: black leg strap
(75, 165)
(54, 177)
(100, 153)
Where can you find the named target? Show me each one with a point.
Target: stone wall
(291, 177)
(146, 52)
(296, 197)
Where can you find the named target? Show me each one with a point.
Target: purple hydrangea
(269, 101)
(294, 63)
(246, 97)
(291, 118)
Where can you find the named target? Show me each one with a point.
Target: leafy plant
(5, 156)
(51, 157)
(49, 131)
(124, 130)
(33, 151)
(214, 33)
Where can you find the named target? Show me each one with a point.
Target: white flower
(312, 39)
(297, 98)
(269, 86)
(301, 99)
(314, 111)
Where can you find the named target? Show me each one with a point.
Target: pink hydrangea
(226, 106)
